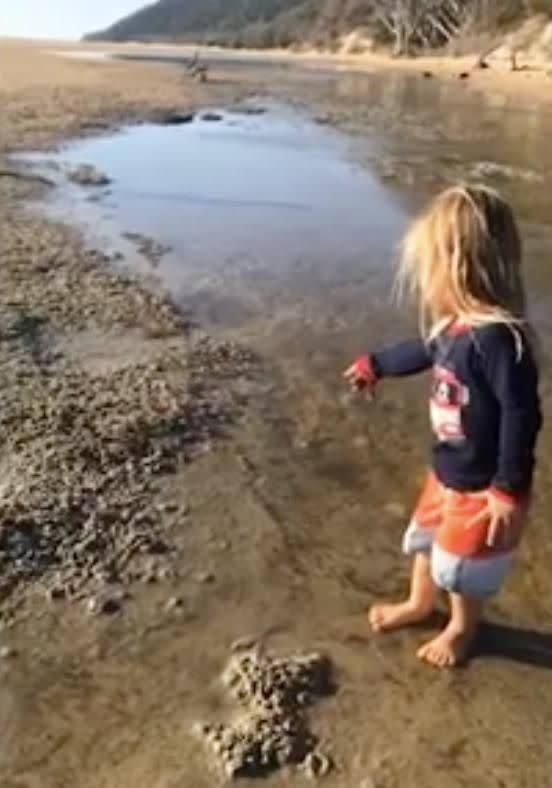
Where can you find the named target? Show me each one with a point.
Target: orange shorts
(449, 526)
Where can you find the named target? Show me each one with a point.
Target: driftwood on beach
(26, 176)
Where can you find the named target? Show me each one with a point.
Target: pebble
(87, 175)
(169, 506)
(247, 643)
(108, 605)
(93, 606)
(205, 578)
(317, 765)
(56, 593)
(174, 603)
(165, 573)
(7, 652)
(211, 117)
(158, 547)
(176, 118)
(249, 109)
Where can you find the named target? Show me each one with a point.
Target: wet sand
(289, 524)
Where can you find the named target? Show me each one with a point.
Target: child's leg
(464, 566)
(452, 646)
(384, 617)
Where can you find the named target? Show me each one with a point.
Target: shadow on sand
(526, 646)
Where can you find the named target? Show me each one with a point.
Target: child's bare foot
(385, 617)
(448, 649)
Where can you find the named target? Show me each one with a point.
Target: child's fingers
(350, 372)
(499, 533)
(480, 517)
(493, 531)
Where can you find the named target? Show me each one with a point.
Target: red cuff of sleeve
(364, 370)
(503, 496)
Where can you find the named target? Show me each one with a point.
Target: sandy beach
(184, 479)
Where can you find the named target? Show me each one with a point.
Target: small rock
(168, 506)
(93, 606)
(317, 765)
(247, 109)
(158, 547)
(165, 573)
(211, 117)
(105, 605)
(7, 652)
(56, 593)
(205, 578)
(247, 643)
(202, 729)
(87, 175)
(177, 118)
(174, 603)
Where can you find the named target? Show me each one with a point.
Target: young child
(461, 260)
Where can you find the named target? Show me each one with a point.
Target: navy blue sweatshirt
(485, 408)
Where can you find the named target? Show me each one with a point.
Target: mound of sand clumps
(271, 728)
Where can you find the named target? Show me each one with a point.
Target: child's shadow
(526, 646)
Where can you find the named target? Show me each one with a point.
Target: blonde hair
(461, 260)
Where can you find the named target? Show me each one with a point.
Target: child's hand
(361, 375)
(501, 520)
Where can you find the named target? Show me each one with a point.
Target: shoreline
(532, 80)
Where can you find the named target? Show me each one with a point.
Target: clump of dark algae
(270, 729)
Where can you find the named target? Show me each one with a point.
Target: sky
(61, 18)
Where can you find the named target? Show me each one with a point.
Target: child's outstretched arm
(405, 358)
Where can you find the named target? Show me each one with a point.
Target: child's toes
(434, 654)
(386, 617)
(423, 652)
(376, 618)
(446, 650)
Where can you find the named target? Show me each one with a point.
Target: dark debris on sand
(82, 445)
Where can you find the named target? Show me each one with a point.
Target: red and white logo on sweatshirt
(448, 397)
